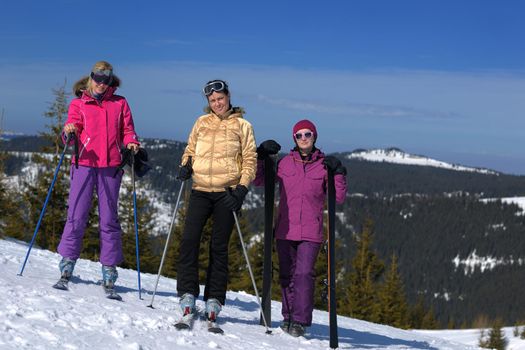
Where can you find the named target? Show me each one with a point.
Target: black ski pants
(203, 205)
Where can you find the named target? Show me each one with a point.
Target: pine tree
(392, 302)
(12, 222)
(496, 338)
(6, 197)
(429, 320)
(54, 219)
(417, 313)
(362, 293)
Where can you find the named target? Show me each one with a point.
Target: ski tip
(114, 297)
(182, 326)
(215, 330)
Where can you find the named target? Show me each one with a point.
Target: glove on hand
(233, 199)
(139, 160)
(126, 157)
(335, 165)
(185, 171)
(141, 165)
(267, 148)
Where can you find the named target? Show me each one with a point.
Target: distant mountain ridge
(398, 156)
(19, 142)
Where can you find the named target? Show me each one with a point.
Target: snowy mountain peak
(398, 156)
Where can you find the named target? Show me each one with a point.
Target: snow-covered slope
(395, 155)
(35, 316)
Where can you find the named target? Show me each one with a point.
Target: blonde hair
(102, 65)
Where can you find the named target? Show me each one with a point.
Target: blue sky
(445, 79)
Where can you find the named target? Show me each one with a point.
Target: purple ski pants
(297, 278)
(84, 181)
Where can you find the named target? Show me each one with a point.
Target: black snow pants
(201, 206)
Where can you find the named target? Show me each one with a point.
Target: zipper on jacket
(119, 133)
(84, 145)
(211, 158)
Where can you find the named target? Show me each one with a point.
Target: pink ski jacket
(302, 189)
(102, 128)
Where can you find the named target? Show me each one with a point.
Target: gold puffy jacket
(223, 151)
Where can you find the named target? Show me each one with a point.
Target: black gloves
(185, 171)
(234, 198)
(267, 148)
(139, 160)
(141, 165)
(126, 157)
(334, 164)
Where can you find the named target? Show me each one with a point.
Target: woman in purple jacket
(102, 123)
(302, 178)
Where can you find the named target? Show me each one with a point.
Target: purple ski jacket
(103, 128)
(302, 188)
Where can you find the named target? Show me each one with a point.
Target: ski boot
(296, 329)
(285, 325)
(187, 305)
(109, 277)
(213, 308)
(66, 267)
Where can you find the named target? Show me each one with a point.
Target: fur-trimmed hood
(81, 85)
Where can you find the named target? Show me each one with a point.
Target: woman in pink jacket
(302, 178)
(102, 123)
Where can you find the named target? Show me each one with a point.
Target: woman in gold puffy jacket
(221, 159)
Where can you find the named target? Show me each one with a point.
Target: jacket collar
(86, 96)
(316, 154)
(234, 112)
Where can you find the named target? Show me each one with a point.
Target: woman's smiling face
(219, 102)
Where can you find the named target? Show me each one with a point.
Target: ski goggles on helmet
(102, 76)
(306, 135)
(216, 85)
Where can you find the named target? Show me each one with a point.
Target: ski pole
(76, 152)
(135, 220)
(167, 241)
(268, 331)
(332, 304)
(68, 138)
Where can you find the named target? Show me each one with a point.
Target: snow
(33, 315)
(393, 155)
(519, 201)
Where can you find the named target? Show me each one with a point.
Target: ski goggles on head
(216, 86)
(306, 135)
(102, 76)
